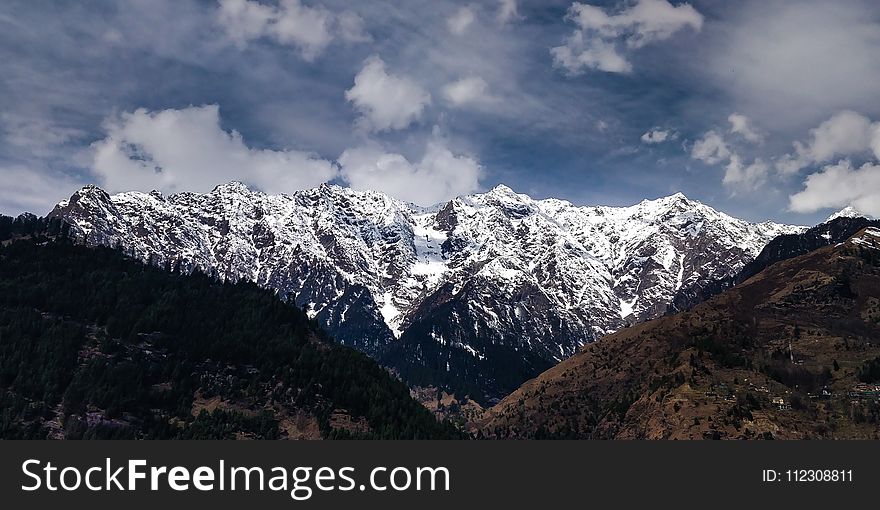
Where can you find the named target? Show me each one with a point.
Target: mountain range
(476, 295)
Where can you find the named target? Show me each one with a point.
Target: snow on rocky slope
(487, 288)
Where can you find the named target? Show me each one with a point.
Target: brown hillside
(779, 356)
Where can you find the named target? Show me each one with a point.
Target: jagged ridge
(483, 291)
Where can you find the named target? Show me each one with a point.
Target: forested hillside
(95, 345)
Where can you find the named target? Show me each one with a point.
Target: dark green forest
(96, 345)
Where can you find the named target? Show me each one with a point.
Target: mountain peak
(676, 198)
(502, 189)
(848, 212)
(232, 187)
(502, 192)
(675, 202)
(505, 193)
(90, 191)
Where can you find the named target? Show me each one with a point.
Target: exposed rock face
(477, 294)
(834, 231)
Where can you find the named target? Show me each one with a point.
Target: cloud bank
(438, 176)
(310, 29)
(847, 133)
(188, 150)
(602, 41)
(840, 185)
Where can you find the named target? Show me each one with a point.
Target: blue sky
(761, 109)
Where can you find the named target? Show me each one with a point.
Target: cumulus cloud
(386, 101)
(310, 29)
(713, 149)
(840, 185)
(602, 40)
(657, 135)
(508, 11)
(467, 90)
(748, 177)
(710, 149)
(847, 133)
(438, 176)
(741, 125)
(463, 18)
(187, 150)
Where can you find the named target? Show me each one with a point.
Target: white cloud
(601, 39)
(791, 63)
(386, 101)
(187, 150)
(463, 18)
(467, 90)
(245, 20)
(38, 136)
(305, 27)
(27, 189)
(840, 185)
(439, 176)
(577, 54)
(710, 149)
(508, 11)
(740, 124)
(310, 29)
(351, 28)
(657, 135)
(745, 177)
(847, 133)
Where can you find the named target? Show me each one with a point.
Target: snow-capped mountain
(478, 294)
(848, 212)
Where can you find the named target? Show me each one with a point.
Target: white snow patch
(472, 351)
(499, 270)
(626, 307)
(869, 239)
(668, 258)
(680, 278)
(429, 253)
(390, 313)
